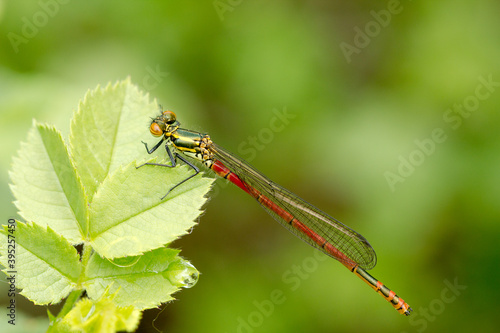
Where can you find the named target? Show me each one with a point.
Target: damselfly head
(159, 124)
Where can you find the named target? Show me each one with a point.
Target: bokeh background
(338, 101)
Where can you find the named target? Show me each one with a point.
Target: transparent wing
(346, 240)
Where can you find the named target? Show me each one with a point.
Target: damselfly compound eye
(169, 117)
(156, 129)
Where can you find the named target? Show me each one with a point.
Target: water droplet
(183, 274)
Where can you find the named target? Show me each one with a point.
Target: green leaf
(47, 265)
(128, 218)
(46, 186)
(102, 316)
(145, 284)
(106, 131)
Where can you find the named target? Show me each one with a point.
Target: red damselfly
(301, 218)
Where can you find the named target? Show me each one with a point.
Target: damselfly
(301, 218)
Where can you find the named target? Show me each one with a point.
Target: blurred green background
(380, 114)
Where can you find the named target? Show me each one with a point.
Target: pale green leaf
(145, 284)
(102, 316)
(128, 218)
(46, 186)
(47, 265)
(107, 130)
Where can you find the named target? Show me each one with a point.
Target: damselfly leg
(173, 160)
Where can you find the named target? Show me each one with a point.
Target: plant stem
(87, 251)
(75, 294)
(68, 305)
